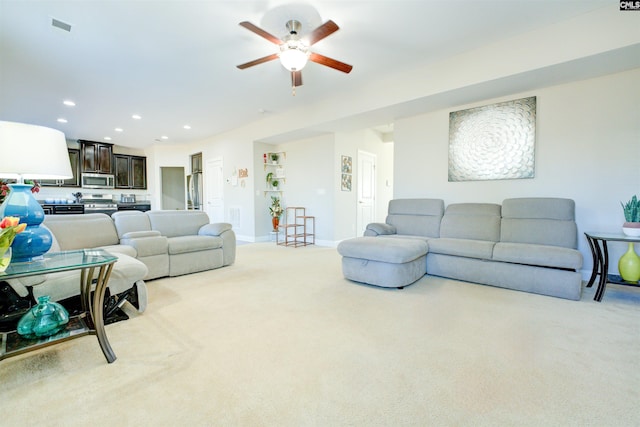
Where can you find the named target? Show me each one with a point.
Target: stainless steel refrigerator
(194, 191)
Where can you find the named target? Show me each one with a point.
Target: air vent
(62, 25)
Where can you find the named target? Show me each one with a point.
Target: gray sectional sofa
(148, 245)
(526, 244)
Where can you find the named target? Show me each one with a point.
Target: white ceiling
(174, 62)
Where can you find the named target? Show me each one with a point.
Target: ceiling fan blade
(262, 33)
(296, 78)
(323, 31)
(258, 61)
(329, 62)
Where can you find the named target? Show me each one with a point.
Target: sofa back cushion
(542, 221)
(475, 221)
(177, 223)
(130, 221)
(417, 217)
(82, 231)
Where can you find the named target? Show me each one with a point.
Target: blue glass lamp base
(35, 240)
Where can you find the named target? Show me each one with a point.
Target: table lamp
(30, 152)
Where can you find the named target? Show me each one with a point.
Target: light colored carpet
(281, 339)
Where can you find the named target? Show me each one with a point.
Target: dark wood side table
(89, 321)
(600, 253)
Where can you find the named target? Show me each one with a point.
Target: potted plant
(631, 210)
(275, 210)
(274, 158)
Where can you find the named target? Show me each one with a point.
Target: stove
(99, 203)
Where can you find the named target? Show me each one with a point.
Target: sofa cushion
(543, 221)
(127, 222)
(476, 221)
(147, 246)
(541, 255)
(395, 251)
(186, 244)
(470, 248)
(126, 271)
(418, 217)
(177, 223)
(82, 230)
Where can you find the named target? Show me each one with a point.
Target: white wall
(310, 179)
(587, 149)
(348, 144)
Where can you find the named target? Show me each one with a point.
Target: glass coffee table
(600, 253)
(95, 266)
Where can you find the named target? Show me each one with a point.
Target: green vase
(629, 265)
(43, 320)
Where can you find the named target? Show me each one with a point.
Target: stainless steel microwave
(98, 180)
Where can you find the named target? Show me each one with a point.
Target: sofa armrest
(379, 228)
(215, 229)
(147, 246)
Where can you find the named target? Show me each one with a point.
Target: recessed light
(69, 103)
(136, 117)
(118, 129)
(187, 127)
(164, 137)
(61, 120)
(107, 138)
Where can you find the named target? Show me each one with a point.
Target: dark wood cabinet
(130, 171)
(74, 159)
(96, 157)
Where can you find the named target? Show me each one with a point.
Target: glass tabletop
(615, 237)
(59, 261)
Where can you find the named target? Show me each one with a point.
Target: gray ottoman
(387, 262)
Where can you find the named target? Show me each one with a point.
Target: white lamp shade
(293, 59)
(33, 152)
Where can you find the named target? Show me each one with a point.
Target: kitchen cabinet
(96, 156)
(74, 159)
(130, 171)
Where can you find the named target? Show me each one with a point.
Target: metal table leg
(596, 264)
(603, 256)
(95, 305)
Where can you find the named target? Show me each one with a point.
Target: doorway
(172, 182)
(366, 210)
(214, 190)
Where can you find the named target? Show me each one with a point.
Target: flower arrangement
(10, 227)
(275, 209)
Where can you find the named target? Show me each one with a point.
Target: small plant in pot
(276, 211)
(274, 158)
(631, 210)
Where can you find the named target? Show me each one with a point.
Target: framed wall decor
(347, 164)
(493, 142)
(346, 182)
(347, 170)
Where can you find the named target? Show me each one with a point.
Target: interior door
(366, 176)
(214, 190)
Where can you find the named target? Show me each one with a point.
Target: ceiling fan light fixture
(293, 55)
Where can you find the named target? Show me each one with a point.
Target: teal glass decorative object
(629, 265)
(43, 320)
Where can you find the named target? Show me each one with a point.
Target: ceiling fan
(294, 50)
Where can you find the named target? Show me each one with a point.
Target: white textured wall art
(493, 142)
